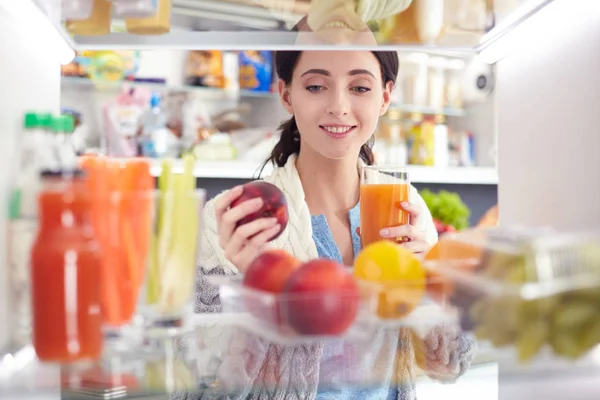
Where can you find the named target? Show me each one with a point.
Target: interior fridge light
(37, 25)
(516, 29)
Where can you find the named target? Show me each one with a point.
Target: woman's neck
(329, 185)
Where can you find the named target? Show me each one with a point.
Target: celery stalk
(179, 268)
(166, 206)
(165, 183)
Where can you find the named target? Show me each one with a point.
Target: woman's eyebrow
(360, 72)
(327, 73)
(317, 71)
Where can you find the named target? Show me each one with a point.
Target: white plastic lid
(76, 10)
(135, 8)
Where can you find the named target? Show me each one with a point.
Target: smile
(338, 131)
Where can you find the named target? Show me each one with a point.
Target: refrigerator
(547, 122)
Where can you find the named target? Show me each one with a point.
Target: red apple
(274, 204)
(320, 298)
(268, 274)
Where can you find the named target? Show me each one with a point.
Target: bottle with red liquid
(65, 272)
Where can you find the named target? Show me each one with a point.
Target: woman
(335, 99)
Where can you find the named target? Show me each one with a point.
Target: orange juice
(380, 207)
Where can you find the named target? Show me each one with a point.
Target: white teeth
(337, 129)
(336, 24)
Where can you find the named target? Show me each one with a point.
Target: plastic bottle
(441, 153)
(22, 225)
(157, 139)
(65, 155)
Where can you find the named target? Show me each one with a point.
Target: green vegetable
(174, 241)
(447, 207)
(179, 265)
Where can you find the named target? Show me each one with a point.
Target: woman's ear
(387, 97)
(285, 95)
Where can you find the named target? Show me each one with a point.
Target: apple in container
(321, 298)
(267, 276)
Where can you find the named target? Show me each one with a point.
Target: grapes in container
(534, 290)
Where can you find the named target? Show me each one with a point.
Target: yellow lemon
(399, 273)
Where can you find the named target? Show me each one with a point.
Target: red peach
(274, 204)
(321, 298)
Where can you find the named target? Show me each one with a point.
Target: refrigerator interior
(547, 121)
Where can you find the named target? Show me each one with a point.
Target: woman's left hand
(414, 238)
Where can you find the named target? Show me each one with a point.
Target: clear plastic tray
(267, 315)
(398, 305)
(263, 313)
(527, 288)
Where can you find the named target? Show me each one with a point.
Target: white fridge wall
(548, 97)
(29, 80)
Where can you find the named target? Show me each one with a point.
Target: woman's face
(337, 98)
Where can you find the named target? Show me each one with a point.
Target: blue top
(327, 248)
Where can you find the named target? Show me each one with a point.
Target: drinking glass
(382, 190)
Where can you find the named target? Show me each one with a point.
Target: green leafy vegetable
(447, 207)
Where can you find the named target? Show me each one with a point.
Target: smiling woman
(341, 94)
(335, 99)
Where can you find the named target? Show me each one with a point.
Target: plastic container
(135, 8)
(526, 288)
(76, 9)
(267, 314)
(97, 24)
(156, 24)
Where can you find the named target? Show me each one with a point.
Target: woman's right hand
(244, 243)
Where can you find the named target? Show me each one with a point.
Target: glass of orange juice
(382, 190)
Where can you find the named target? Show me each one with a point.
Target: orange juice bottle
(380, 207)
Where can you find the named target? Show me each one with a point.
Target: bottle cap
(31, 121)
(63, 124)
(67, 173)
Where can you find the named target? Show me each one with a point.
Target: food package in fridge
(98, 22)
(157, 23)
(205, 68)
(531, 289)
(256, 70)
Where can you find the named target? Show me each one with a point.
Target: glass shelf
(303, 24)
(212, 93)
(181, 366)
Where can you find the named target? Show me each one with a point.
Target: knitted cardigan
(249, 367)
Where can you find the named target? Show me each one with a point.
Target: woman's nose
(338, 104)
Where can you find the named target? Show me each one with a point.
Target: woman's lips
(338, 131)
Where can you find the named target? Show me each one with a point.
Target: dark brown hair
(289, 142)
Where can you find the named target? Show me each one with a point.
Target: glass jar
(65, 272)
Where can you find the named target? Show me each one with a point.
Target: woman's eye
(314, 88)
(361, 89)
